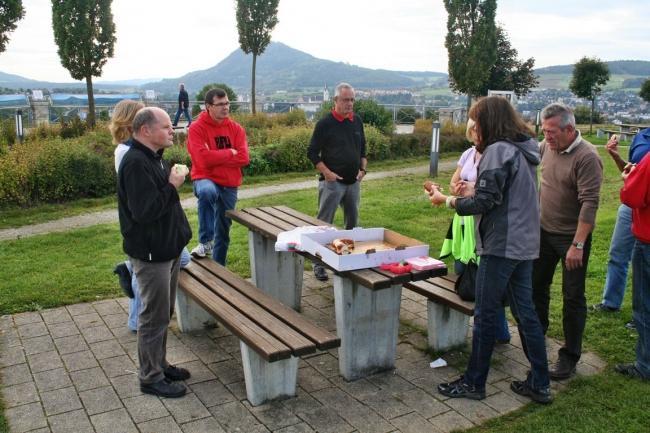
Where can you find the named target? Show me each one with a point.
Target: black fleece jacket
(153, 224)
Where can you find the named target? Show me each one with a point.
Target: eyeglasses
(220, 104)
(346, 99)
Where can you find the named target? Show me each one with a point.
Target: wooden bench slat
(296, 222)
(301, 216)
(267, 346)
(270, 219)
(297, 342)
(255, 224)
(441, 294)
(323, 339)
(369, 278)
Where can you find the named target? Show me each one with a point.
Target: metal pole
(537, 119)
(19, 125)
(435, 148)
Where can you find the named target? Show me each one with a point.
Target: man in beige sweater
(571, 175)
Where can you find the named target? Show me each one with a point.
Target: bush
(54, 170)
(7, 134)
(177, 155)
(407, 115)
(370, 112)
(75, 127)
(378, 146)
(291, 152)
(583, 113)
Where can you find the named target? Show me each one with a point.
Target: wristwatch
(578, 245)
(364, 170)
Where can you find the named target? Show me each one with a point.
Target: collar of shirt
(575, 143)
(340, 118)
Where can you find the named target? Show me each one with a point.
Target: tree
(255, 21)
(508, 72)
(645, 90)
(589, 75)
(232, 96)
(85, 33)
(471, 44)
(11, 11)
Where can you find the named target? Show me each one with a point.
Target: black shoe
(459, 389)
(124, 276)
(631, 325)
(602, 308)
(164, 388)
(521, 387)
(630, 370)
(320, 273)
(176, 373)
(563, 369)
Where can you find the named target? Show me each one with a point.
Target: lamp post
(435, 149)
(19, 125)
(537, 122)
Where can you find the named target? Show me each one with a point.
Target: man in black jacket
(338, 151)
(183, 106)
(154, 230)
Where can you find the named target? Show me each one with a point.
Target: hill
(281, 67)
(624, 74)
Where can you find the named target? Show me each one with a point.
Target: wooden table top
(269, 221)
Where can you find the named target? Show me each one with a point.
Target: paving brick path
(73, 369)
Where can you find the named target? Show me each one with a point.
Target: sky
(167, 39)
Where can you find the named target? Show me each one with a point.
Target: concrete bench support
(190, 316)
(277, 273)
(367, 321)
(446, 327)
(267, 380)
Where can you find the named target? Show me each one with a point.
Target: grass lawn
(64, 268)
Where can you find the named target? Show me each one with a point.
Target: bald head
(153, 128)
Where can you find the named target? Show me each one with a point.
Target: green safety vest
(460, 241)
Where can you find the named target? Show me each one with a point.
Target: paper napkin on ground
(438, 363)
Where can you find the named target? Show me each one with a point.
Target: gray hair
(561, 110)
(145, 116)
(341, 86)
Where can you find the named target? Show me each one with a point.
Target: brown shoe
(563, 369)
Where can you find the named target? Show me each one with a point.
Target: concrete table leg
(367, 321)
(277, 273)
(446, 327)
(190, 316)
(267, 380)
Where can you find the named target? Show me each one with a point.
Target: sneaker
(124, 277)
(174, 373)
(320, 273)
(563, 369)
(459, 389)
(630, 325)
(202, 250)
(164, 388)
(602, 308)
(630, 370)
(521, 387)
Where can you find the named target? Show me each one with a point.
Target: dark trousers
(158, 282)
(553, 249)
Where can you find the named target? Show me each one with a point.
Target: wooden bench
(272, 335)
(622, 135)
(447, 314)
(366, 301)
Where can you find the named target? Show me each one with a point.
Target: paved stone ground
(73, 369)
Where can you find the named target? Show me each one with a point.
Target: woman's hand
(436, 196)
(465, 189)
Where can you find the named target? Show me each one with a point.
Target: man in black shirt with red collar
(338, 151)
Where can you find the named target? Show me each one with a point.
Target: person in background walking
(183, 106)
(338, 151)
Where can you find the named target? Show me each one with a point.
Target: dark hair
(210, 94)
(496, 120)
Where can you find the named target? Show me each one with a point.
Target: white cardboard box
(315, 244)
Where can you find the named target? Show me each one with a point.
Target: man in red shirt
(636, 194)
(219, 151)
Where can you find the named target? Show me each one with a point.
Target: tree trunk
(253, 84)
(591, 115)
(90, 120)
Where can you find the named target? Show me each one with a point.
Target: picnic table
(367, 301)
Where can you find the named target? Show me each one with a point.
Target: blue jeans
(186, 112)
(502, 330)
(620, 254)
(498, 276)
(135, 304)
(641, 305)
(213, 202)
